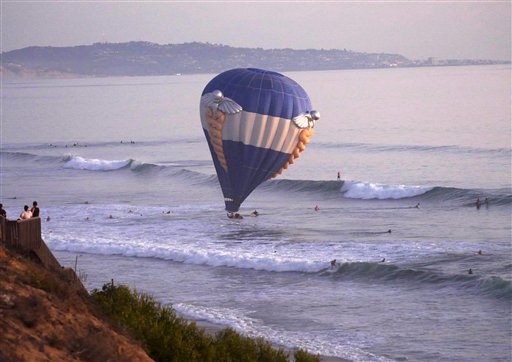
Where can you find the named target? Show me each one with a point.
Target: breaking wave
(356, 190)
(487, 285)
(93, 164)
(368, 190)
(490, 286)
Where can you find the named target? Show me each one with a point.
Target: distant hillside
(144, 58)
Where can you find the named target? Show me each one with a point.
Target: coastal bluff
(45, 312)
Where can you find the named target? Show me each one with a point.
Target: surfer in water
(234, 215)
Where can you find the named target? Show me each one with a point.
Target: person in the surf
(235, 215)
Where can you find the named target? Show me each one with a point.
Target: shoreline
(66, 258)
(212, 329)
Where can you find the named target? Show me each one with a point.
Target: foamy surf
(189, 254)
(94, 164)
(239, 320)
(368, 190)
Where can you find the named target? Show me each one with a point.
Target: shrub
(303, 356)
(167, 337)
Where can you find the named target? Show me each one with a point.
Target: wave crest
(93, 164)
(492, 286)
(368, 190)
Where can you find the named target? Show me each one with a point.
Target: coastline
(212, 329)
(35, 298)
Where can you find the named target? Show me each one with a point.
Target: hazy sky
(415, 29)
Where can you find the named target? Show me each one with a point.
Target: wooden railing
(24, 236)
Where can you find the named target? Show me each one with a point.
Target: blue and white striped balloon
(256, 122)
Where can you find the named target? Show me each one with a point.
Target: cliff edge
(44, 316)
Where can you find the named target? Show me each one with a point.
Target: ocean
(128, 191)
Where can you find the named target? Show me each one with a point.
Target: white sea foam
(368, 190)
(208, 242)
(93, 164)
(255, 328)
(191, 254)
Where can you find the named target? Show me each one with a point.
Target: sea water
(128, 191)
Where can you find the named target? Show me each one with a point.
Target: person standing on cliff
(35, 209)
(26, 214)
(2, 211)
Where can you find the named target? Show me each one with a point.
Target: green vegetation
(167, 337)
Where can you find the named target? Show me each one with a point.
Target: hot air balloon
(256, 123)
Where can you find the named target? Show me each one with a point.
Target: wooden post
(2, 229)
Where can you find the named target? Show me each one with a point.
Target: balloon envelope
(247, 117)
